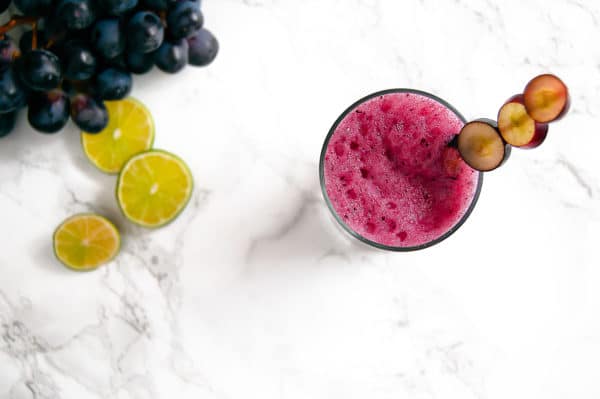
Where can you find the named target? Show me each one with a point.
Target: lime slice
(130, 131)
(84, 242)
(153, 188)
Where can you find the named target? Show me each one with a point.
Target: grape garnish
(485, 144)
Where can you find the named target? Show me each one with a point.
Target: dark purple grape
(203, 48)
(172, 57)
(26, 40)
(145, 32)
(8, 51)
(79, 62)
(117, 7)
(55, 30)
(88, 113)
(184, 19)
(4, 4)
(48, 112)
(113, 84)
(39, 70)
(139, 63)
(159, 5)
(76, 14)
(33, 7)
(118, 62)
(107, 38)
(7, 123)
(12, 94)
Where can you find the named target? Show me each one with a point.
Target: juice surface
(391, 176)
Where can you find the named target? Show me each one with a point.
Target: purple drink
(390, 177)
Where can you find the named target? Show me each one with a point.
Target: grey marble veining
(254, 292)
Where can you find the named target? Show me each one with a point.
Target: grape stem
(79, 86)
(51, 41)
(16, 21)
(34, 34)
(163, 17)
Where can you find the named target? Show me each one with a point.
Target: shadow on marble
(309, 239)
(12, 144)
(43, 256)
(72, 141)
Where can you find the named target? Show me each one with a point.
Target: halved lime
(86, 241)
(130, 131)
(153, 188)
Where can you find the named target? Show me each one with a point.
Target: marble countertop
(254, 292)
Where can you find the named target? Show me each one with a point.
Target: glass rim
(347, 228)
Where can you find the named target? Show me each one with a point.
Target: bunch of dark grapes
(80, 53)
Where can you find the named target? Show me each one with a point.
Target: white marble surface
(253, 292)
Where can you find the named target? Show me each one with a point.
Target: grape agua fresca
(390, 175)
